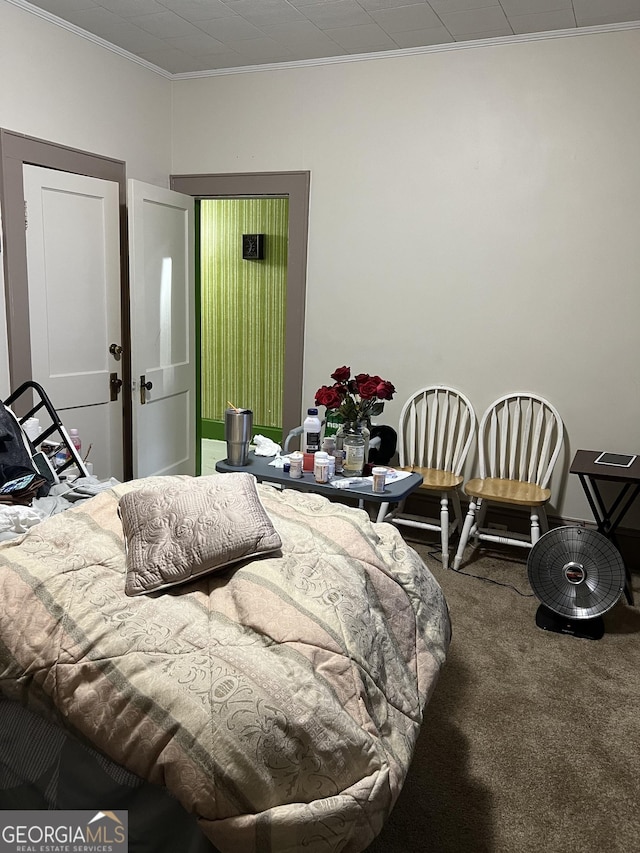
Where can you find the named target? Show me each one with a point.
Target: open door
(73, 263)
(161, 245)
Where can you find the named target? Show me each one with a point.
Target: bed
(270, 705)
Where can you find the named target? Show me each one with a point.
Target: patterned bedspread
(279, 700)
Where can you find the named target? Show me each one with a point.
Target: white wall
(474, 220)
(63, 88)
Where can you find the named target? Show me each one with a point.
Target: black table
(394, 492)
(608, 516)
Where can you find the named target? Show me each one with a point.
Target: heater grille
(576, 573)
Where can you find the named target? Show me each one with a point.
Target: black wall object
(253, 247)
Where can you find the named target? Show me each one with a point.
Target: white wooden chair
(519, 440)
(436, 429)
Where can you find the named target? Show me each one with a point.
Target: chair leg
(464, 535)
(535, 526)
(481, 510)
(444, 530)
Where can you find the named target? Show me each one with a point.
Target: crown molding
(523, 38)
(413, 51)
(67, 25)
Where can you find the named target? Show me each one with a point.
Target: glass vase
(355, 445)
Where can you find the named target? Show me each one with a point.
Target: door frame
(16, 149)
(295, 185)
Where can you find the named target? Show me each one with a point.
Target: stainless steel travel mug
(238, 425)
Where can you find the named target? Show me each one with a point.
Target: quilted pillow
(190, 527)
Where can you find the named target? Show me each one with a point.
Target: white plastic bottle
(321, 466)
(311, 428)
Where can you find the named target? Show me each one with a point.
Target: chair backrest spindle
(520, 438)
(436, 429)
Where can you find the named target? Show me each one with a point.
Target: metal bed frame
(57, 429)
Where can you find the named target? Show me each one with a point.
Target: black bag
(15, 457)
(388, 442)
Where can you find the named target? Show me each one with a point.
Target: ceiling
(191, 36)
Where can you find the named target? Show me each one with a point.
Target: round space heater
(578, 575)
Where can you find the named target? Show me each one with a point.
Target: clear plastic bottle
(311, 429)
(62, 456)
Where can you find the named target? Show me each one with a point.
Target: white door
(73, 263)
(161, 241)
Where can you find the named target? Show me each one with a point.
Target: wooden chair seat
(508, 491)
(434, 480)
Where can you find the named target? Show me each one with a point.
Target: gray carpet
(530, 742)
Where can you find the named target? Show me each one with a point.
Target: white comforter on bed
(279, 700)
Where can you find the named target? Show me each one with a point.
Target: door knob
(116, 351)
(115, 384)
(144, 386)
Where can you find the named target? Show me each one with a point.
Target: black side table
(608, 517)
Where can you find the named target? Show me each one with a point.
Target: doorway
(243, 286)
(294, 187)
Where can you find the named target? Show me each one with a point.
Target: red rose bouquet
(356, 399)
